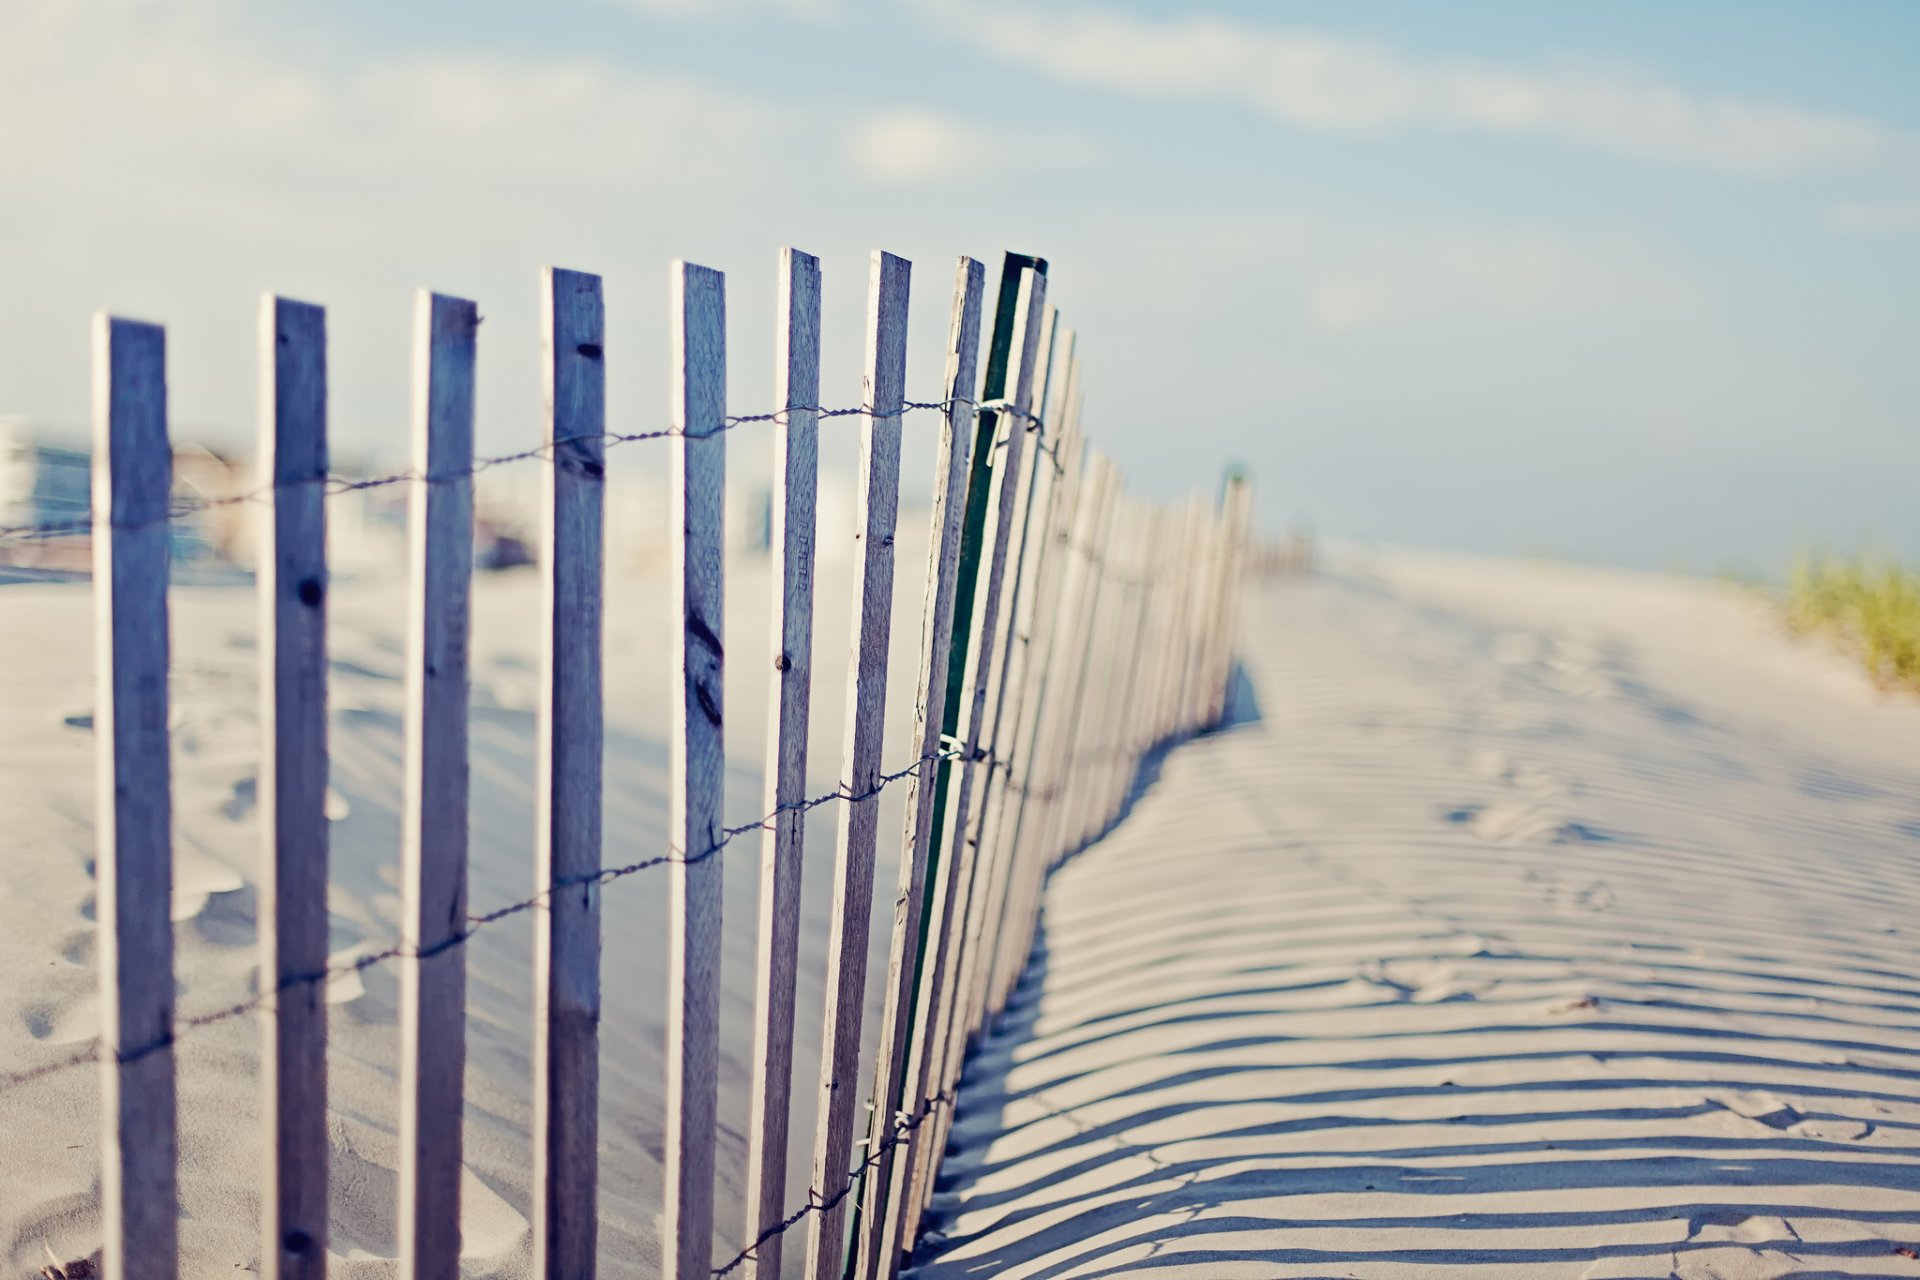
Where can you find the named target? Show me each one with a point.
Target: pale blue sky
(1628, 281)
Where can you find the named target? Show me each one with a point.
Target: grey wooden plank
(1126, 639)
(1209, 571)
(1040, 483)
(1067, 772)
(795, 491)
(878, 514)
(434, 824)
(878, 1241)
(292, 787)
(1174, 719)
(1055, 736)
(697, 764)
(1237, 512)
(1108, 662)
(132, 477)
(1010, 800)
(566, 1021)
(944, 969)
(1051, 641)
(1062, 581)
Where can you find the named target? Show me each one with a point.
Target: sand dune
(1546, 923)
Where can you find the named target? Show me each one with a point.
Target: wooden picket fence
(1069, 628)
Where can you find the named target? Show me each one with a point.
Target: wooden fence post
(132, 482)
(1030, 831)
(698, 765)
(945, 972)
(1212, 582)
(1051, 597)
(434, 837)
(566, 1059)
(795, 487)
(1055, 755)
(1115, 763)
(1097, 670)
(1035, 477)
(917, 1094)
(292, 787)
(879, 502)
(1238, 515)
(878, 1242)
(1054, 473)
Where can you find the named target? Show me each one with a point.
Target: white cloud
(180, 108)
(1326, 84)
(1345, 276)
(913, 146)
(1365, 278)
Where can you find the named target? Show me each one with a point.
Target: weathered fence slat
(879, 502)
(1236, 512)
(795, 485)
(1031, 479)
(1114, 765)
(566, 1059)
(1043, 482)
(434, 834)
(1068, 580)
(1039, 642)
(698, 764)
(879, 1242)
(946, 904)
(1065, 790)
(1207, 571)
(132, 480)
(1029, 303)
(1041, 807)
(292, 786)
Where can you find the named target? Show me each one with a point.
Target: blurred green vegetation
(1871, 602)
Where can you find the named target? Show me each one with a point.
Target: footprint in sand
(245, 797)
(196, 878)
(1597, 896)
(38, 1018)
(363, 1189)
(1420, 981)
(1760, 1107)
(1505, 823)
(78, 949)
(1540, 784)
(75, 1021)
(1730, 1244)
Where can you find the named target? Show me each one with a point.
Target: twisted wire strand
(904, 1126)
(475, 923)
(335, 486)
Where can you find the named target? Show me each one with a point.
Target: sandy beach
(49, 1162)
(1537, 921)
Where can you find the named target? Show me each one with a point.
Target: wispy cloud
(913, 146)
(1365, 278)
(180, 106)
(1326, 84)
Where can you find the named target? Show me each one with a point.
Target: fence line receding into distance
(1069, 627)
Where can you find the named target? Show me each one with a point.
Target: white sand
(1551, 922)
(49, 1161)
